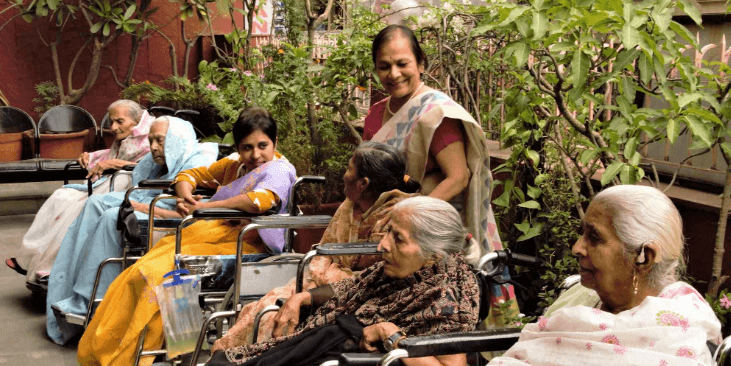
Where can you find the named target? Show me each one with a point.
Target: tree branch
(675, 174)
(114, 75)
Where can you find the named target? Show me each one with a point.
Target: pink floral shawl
(670, 329)
(131, 149)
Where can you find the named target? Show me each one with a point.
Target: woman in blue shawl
(93, 237)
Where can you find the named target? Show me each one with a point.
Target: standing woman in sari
(445, 147)
(130, 124)
(254, 179)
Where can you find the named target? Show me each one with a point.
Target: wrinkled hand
(140, 207)
(288, 316)
(374, 335)
(186, 205)
(83, 160)
(380, 226)
(98, 169)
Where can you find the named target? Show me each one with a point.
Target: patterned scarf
(440, 298)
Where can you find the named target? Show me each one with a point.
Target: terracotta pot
(11, 146)
(305, 238)
(63, 145)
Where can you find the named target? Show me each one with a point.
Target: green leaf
(514, 14)
(522, 26)
(315, 68)
(580, 68)
(611, 172)
(699, 129)
(726, 149)
(540, 179)
(524, 226)
(685, 98)
(533, 192)
(663, 19)
(645, 64)
(106, 29)
(692, 11)
(624, 107)
(130, 11)
(587, 155)
(229, 138)
(629, 88)
(353, 111)
(627, 175)
(540, 24)
(624, 58)
(95, 28)
(520, 51)
(530, 204)
(534, 231)
(629, 36)
(533, 156)
(673, 130)
(683, 32)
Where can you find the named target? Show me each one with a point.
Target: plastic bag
(182, 317)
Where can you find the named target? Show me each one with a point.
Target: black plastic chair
(159, 110)
(14, 120)
(190, 115)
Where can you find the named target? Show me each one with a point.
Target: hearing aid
(641, 256)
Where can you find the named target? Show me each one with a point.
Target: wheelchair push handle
(493, 263)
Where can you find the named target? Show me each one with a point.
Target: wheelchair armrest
(312, 179)
(460, 342)
(155, 183)
(363, 359)
(198, 191)
(128, 167)
(347, 248)
(222, 213)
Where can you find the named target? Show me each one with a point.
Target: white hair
(132, 108)
(437, 227)
(642, 215)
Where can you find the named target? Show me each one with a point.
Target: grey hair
(132, 108)
(437, 227)
(642, 215)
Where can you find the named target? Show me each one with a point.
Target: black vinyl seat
(15, 120)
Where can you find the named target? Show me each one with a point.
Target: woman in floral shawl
(93, 236)
(640, 313)
(374, 181)
(423, 286)
(130, 124)
(254, 180)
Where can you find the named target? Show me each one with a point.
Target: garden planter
(307, 237)
(61, 145)
(11, 146)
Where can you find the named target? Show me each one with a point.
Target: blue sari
(93, 237)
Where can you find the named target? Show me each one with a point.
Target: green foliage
(47, 96)
(721, 305)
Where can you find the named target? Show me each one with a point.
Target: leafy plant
(47, 96)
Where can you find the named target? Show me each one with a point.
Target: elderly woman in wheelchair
(636, 311)
(424, 285)
(254, 180)
(374, 181)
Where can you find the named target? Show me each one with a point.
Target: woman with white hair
(424, 285)
(130, 125)
(639, 313)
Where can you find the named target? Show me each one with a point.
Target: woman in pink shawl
(130, 125)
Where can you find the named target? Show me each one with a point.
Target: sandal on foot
(13, 264)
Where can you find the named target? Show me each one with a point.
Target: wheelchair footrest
(69, 318)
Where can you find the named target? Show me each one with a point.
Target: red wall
(25, 61)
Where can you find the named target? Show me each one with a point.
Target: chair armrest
(222, 213)
(363, 359)
(347, 248)
(155, 183)
(460, 342)
(312, 179)
(128, 167)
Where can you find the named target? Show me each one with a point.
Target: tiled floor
(23, 339)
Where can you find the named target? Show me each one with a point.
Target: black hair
(252, 119)
(385, 168)
(390, 32)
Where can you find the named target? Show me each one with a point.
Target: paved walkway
(23, 339)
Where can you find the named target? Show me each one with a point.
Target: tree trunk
(717, 279)
(315, 138)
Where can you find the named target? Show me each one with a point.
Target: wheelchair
(477, 341)
(490, 270)
(262, 276)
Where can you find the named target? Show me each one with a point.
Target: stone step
(26, 198)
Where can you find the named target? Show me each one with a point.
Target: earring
(635, 281)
